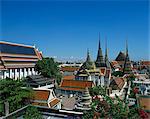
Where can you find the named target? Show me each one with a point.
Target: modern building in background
(18, 60)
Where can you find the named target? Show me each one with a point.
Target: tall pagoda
(88, 64)
(100, 60)
(84, 102)
(107, 63)
(127, 64)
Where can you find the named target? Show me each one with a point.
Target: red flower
(135, 90)
(143, 114)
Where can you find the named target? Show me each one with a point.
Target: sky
(66, 29)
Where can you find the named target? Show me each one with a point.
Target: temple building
(99, 71)
(88, 72)
(74, 87)
(120, 59)
(45, 98)
(18, 60)
(122, 62)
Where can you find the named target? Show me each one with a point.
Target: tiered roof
(121, 56)
(145, 63)
(117, 83)
(44, 97)
(69, 68)
(18, 56)
(100, 60)
(127, 65)
(69, 77)
(75, 85)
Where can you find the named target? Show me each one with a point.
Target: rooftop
(75, 85)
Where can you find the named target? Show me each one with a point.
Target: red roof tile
(75, 84)
(41, 94)
(54, 102)
(145, 62)
(70, 68)
(120, 82)
(70, 77)
(40, 104)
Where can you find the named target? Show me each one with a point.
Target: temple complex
(99, 71)
(18, 60)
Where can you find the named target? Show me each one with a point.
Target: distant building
(39, 81)
(17, 60)
(69, 70)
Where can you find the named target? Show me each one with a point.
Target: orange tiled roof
(120, 82)
(18, 59)
(41, 94)
(73, 89)
(40, 104)
(70, 77)
(75, 84)
(15, 44)
(39, 54)
(70, 68)
(17, 55)
(54, 102)
(145, 62)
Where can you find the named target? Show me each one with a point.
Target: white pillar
(10, 71)
(29, 71)
(16, 74)
(4, 74)
(20, 73)
(102, 80)
(12, 74)
(33, 72)
(25, 72)
(7, 73)
(1, 75)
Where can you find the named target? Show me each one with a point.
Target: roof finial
(88, 55)
(99, 46)
(106, 52)
(126, 46)
(88, 51)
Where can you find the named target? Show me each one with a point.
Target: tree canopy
(48, 68)
(32, 113)
(11, 91)
(118, 73)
